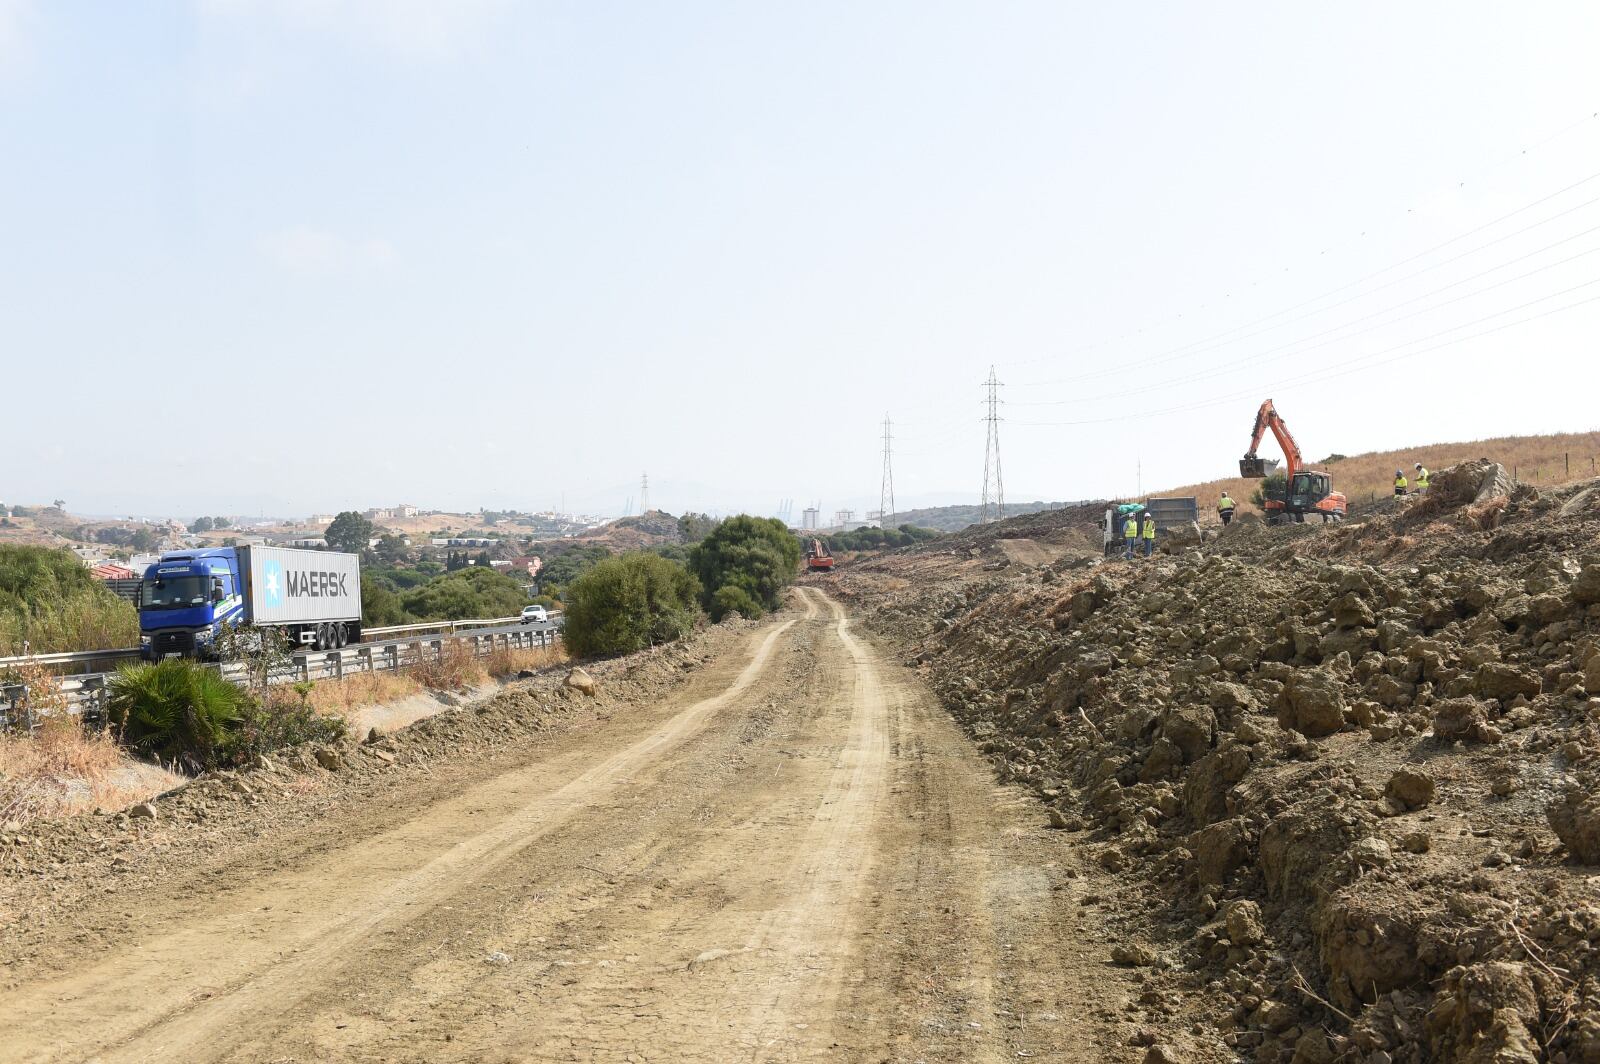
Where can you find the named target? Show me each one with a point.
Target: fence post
(338, 664)
(1566, 458)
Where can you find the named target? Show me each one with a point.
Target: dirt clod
(1412, 788)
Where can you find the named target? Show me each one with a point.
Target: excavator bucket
(1255, 468)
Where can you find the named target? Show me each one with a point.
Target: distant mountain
(955, 518)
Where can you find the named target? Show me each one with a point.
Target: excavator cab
(1308, 489)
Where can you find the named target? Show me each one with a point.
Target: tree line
(622, 604)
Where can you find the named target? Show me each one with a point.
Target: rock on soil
(1412, 788)
(1575, 818)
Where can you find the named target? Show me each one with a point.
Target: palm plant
(174, 709)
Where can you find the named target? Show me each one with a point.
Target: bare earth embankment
(1349, 774)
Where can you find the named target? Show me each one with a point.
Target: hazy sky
(301, 255)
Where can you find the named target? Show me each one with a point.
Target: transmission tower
(994, 501)
(644, 493)
(886, 492)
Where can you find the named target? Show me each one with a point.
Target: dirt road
(796, 857)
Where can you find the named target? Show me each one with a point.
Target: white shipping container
(301, 586)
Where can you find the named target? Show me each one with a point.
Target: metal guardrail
(73, 657)
(86, 693)
(86, 658)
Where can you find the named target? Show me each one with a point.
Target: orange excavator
(1306, 491)
(818, 560)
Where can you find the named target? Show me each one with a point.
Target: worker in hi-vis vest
(1130, 537)
(1149, 535)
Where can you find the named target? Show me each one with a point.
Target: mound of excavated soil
(1354, 770)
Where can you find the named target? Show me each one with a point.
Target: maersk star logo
(272, 582)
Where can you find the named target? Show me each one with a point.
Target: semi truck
(188, 597)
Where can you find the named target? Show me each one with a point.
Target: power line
(1229, 335)
(991, 456)
(1350, 365)
(1295, 347)
(1519, 153)
(886, 489)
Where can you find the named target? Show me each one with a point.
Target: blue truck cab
(185, 600)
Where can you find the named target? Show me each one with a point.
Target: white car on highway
(533, 614)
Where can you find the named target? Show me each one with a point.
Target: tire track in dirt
(186, 995)
(806, 861)
(734, 943)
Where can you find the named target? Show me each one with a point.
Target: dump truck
(187, 598)
(1305, 491)
(1175, 512)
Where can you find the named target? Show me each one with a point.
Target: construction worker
(1225, 509)
(1399, 481)
(1149, 535)
(1422, 479)
(1130, 537)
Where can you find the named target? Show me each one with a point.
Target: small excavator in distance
(818, 560)
(1306, 491)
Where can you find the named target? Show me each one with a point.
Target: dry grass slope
(1543, 461)
(64, 767)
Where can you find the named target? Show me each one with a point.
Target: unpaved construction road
(796, 856)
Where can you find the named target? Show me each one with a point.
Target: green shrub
(729, 599)
(51, 602)
(629, 603)
(756, 554)
(380, 606)
(286, 719)
(177, 710)
(476, 591)
(1273, 487)
(692, 528)
(866, 538)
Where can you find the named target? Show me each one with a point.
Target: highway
(406, 645)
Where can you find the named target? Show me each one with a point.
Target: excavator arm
(1255, 467)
